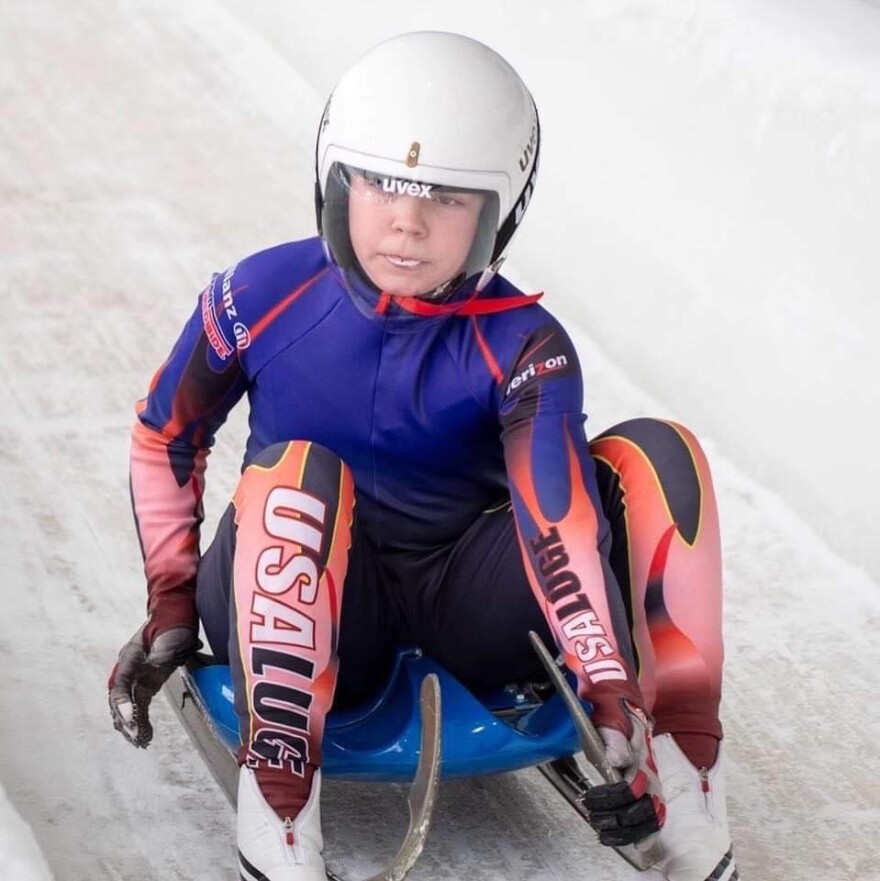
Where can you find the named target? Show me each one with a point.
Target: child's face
(410, 244)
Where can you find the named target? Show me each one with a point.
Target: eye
(373, 188)
(448, 199)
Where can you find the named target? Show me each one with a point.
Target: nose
(409, 216)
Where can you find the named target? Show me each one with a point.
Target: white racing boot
(695, 839)
(272, 849)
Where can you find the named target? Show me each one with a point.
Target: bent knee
(661, 440)
(299, 464)
(274, 454)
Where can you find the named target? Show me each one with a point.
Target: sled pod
(379, 741)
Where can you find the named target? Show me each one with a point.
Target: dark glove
(633, 808)
(140, 671)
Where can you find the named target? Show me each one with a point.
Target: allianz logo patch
(213, 332)
(536, 369)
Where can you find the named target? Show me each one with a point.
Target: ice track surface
(139, 154)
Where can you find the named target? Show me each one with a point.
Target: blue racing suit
(441, 410)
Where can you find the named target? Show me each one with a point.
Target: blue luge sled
(382, 740)
(379, 741)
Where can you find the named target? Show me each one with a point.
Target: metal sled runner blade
(423, 792)
(566, 775)
(185, 700)
(195, 718)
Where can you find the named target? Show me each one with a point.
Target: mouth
(403, 262)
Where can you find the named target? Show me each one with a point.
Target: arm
(563, 534)
(189, 398)
(564, 539)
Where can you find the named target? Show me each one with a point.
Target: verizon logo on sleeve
(536, 369)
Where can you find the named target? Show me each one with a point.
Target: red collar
(471, 306)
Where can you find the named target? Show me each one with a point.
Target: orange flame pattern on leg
(675, 585)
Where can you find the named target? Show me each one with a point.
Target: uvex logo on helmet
(526, 196)
(406, 187)
(529, 150)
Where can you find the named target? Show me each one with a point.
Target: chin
(399, 288)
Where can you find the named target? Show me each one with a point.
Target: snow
(20, 856)
(713, 167)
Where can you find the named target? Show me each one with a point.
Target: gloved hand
(633, 808)
(140, 671)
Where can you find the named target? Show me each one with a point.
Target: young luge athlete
(417, 471)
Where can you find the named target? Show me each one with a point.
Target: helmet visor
(409, 237)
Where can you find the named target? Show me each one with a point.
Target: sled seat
(501, 731)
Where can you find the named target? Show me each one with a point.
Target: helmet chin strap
(444, 289)
(489, 273)
(449, 286)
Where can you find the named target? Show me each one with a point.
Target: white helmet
(431, 108)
